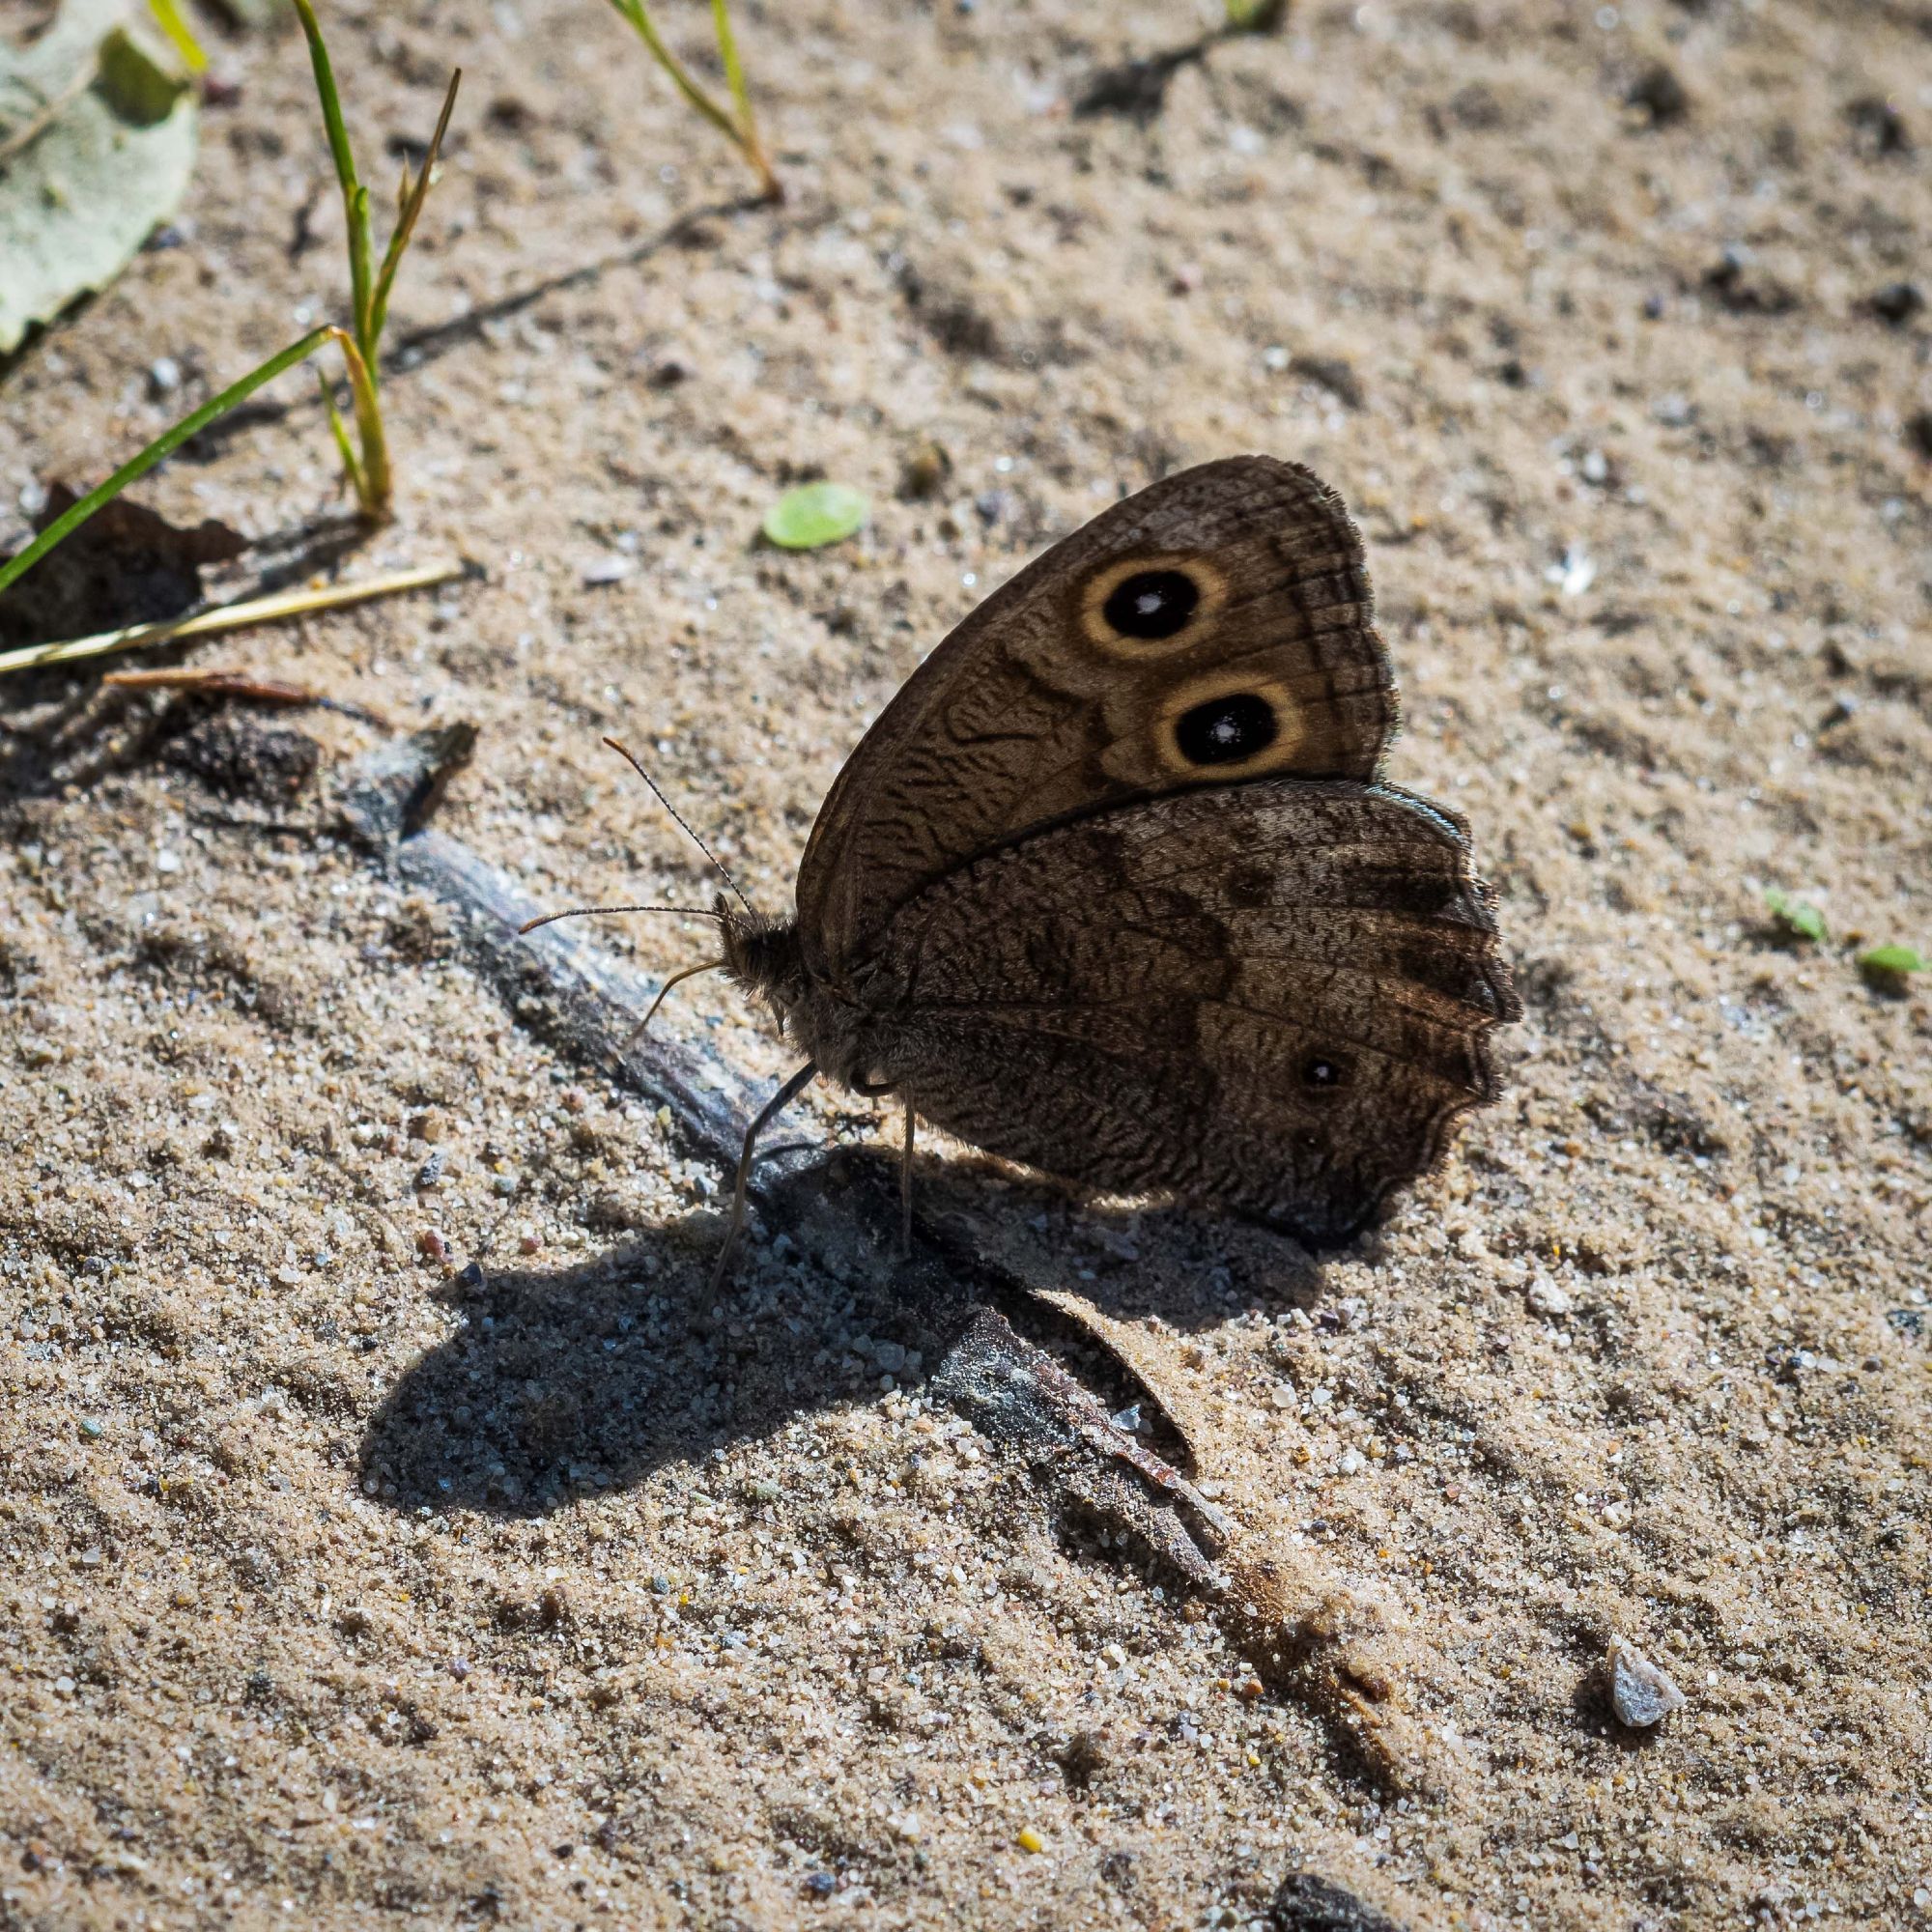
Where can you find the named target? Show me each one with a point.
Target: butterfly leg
(643, 1026)
(780, 1100)
(905, 1184)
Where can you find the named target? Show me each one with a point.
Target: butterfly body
(1113, 888)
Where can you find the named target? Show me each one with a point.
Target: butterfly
(1114, 889)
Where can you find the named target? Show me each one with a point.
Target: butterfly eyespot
(1151, 603)
(1227, 731)
(1250, 888)
(1324, 1072)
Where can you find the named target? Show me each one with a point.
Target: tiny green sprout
(367, 468)
(1797, 915)
(815, 515)
(1892, 963)
(1255, 16)
(738, 124)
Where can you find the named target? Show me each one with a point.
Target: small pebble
(431, 1171)
(164, 376)
(1545, 1297)
(431, 1245)
(924, 472)
(1897, 302)
(1029, 1840)
(1659, 94)
(607, 570)
(1643, 1695)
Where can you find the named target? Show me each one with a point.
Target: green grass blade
(169, 14)
(635, 12)
(741, 96)
(355, 199)
(371, 479)
(734, 73)
(339, 429)
(406, 222)
(331, 101)
(360, 291)
(161, 448)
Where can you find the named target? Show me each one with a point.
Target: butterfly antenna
(624, 753)
(585, 912)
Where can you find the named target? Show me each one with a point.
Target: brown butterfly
(1112, 888)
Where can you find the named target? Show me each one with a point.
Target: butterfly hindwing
(1275, 996)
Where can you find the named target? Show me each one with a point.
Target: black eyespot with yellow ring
(1224, 727)
(1153, 604)
(1227, 731)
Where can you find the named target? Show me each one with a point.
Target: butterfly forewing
(1216, 628)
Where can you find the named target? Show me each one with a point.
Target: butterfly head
(763, 954)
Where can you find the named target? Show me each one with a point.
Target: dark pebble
(1897, 303)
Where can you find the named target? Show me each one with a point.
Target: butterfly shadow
(566, 1382)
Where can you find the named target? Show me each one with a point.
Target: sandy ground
(696, 1611)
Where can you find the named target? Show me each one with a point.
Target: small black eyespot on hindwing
(1151, 603)
(1324, 1072)
(1227, 731)
(1251, 886)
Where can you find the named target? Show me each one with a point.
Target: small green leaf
(1890, 960)
(1799, 916)
(815, 515)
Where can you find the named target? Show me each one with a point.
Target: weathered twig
(215, 681)
(1303, 1637)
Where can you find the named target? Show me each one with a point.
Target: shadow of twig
(418, 345)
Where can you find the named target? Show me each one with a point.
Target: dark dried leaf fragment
(1306, 1903)
(241, 756)
(126, 565)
